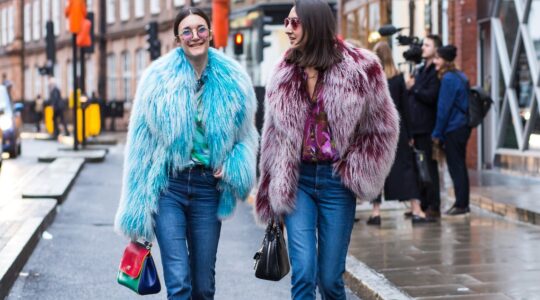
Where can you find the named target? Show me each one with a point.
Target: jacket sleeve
(368, 159)
(132, 219)
(427, 93)
(447, 96)
(263, 209)
(239, 166)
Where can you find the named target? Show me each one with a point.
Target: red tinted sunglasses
(294, 22)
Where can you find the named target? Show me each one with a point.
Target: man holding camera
(423, 87)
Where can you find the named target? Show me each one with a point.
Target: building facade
(119, 57)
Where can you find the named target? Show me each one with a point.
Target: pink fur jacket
(362, 118)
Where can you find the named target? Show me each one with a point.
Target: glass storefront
(516, 91)
(362, 17)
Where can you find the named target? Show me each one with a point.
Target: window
(35, 18)
(154, 7)
(178, 3)
(58, 75)
(10, 30)
(139, 8)
(140, 62)
(3, 16)
(110, 11)
(111, 75)
(27, 24)
(56, 16)
(124, 10)
(126, 75)
(89, 77)
(45, 14)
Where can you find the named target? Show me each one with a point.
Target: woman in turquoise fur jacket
(190, 154)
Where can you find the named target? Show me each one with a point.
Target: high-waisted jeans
(319, 231)
(187, 230)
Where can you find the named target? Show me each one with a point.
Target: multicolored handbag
(137, 269)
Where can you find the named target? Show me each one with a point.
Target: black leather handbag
(272, 260)
(422, 167)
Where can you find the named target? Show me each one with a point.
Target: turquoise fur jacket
(161, 128)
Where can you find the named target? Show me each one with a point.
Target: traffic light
(50, 44)
(238, 44)
(261, 22)
(75, 11)
(154, 45)
(47, 69)
(83, 37)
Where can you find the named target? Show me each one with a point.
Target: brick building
(120, 55)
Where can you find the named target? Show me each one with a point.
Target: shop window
(533, 26)
(508, 133)
(510, 23)
(522, 82)
(534, 138)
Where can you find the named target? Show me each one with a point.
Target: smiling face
(293, 29)
(194, 36)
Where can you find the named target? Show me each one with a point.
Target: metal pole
(83, 92)
(75, 98)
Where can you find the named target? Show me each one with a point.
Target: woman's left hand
(219, 173)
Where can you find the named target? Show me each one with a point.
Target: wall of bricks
(464, 35)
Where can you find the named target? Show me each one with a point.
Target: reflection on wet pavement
(474, 257)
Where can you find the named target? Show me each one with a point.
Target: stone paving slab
(55, 180)
(480, 256)
(87, 147)
(91, 156)
(22, 223)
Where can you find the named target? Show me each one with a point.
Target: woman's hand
(219, 173)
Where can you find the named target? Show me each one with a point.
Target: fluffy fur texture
(362, 117)
(161, 129)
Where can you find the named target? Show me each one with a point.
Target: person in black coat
(424, 92)
(401, 184)
(58, 105)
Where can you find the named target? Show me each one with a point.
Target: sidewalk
(481, 256)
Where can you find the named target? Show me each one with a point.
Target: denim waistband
(196, 169)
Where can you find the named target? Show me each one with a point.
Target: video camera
(414, 53)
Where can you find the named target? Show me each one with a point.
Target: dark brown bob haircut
(319, 38)
(185, 12)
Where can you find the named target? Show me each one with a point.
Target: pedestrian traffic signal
(262, 32)
(75, 11)
(154, 45)
(238, 43)
(83, 37)
(47, 69)
(50, 44)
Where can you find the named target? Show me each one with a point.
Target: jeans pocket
(209, 178)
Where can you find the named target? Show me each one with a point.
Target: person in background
(451, 129)
(38, 112)
(424, 91)
(329, 136)
(401, 184)
(59, 106)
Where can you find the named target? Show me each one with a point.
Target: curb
(21, 246)
(368, 284)
(46, 174)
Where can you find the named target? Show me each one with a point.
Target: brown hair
(448, 66)
(319, 38)
(383, 51)
(184, 13)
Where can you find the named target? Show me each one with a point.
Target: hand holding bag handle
(272, 260)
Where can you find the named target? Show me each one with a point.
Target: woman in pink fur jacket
(330, 136)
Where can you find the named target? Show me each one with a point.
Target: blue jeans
(319, 231)
(187, 230)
